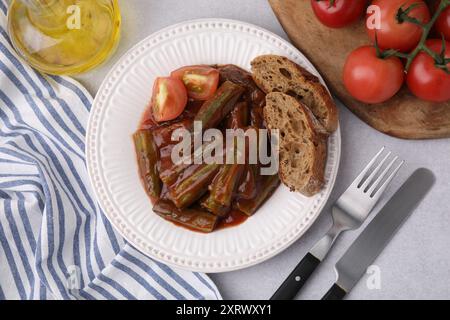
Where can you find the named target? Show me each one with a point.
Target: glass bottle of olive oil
(64, 37)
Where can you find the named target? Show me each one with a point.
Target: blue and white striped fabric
(55, 243)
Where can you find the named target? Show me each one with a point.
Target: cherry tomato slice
(425, 80)
(169, 99)
(371, 79)
(201, 81)
(392, 34)
(339, 14)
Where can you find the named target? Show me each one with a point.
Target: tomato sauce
(234, 218)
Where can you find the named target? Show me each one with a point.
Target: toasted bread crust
(303, 143)
(278, 74)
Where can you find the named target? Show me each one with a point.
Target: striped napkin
(55, 242)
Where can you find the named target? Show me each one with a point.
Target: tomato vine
(440, 60)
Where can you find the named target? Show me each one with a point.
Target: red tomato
(425, 80)
(169, 99)
(392, 34)
(339, 14)
(201, 81)
(371, 79)
(442, 25)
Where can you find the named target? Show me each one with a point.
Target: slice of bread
(302, 145)
(278, 74)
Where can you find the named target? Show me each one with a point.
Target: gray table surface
(415, 265)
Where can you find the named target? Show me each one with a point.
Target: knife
(366, 248)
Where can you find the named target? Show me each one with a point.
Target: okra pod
(267, 187)
(209, 203)
(170, 176)
(170, 172)
(162, 135)
(249, 181)
(225, 183)
(193, 184)
(192, 218)
(218, 107)
(147, 156)
(254, 96)
(257, 117)
(222, 189)
(238, 118)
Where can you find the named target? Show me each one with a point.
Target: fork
(349, 213)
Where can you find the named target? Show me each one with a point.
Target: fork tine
(376, 184)
(383, 187)
(361, 176)
(374, 173)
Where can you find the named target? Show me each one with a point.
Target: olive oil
(64, 37)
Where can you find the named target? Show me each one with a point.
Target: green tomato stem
(426, 31)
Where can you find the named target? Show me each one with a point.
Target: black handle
(295, 281)
(335, 293)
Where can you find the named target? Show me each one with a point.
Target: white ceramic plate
(111, 162)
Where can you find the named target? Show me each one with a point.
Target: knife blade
(371, 242)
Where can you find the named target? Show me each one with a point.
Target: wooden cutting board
(404, 116)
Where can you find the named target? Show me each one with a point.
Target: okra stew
(202, 197)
